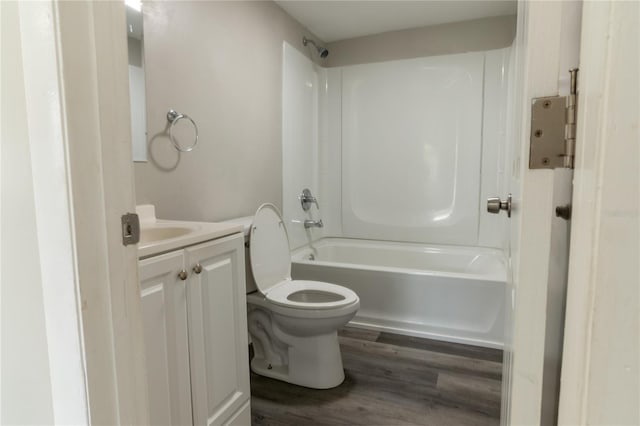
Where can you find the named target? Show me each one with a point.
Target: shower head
(321, 50)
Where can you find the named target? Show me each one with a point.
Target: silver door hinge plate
(553, 130)
(130, 228)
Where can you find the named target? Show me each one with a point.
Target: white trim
(545, 45)
(600, 372)
(531, 260)
(54, 213)
(580, 300)
(93, 55)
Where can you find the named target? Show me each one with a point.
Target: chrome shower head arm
(306, 41)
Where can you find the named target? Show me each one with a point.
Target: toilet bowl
(293, 323)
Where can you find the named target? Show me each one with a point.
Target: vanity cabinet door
(164, 312)
(217, 329)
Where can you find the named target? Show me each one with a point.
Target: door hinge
(553, 129)
(130, 228)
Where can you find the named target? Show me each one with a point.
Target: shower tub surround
(448, 293)
(402, 156)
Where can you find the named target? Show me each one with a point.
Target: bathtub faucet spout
(313, 224)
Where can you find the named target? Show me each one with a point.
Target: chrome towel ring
(173, 117)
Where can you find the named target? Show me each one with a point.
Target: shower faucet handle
(306, 199)
(313, 224)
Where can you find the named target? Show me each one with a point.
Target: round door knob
(182, 275)
(495, 204)
(198, 268)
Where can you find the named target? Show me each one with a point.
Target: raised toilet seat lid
(269, 249)
(302, 294)
(271, 266)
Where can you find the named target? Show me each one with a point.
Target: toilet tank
(246, 222)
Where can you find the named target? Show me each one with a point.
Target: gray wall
(220, 63)
(458, 37)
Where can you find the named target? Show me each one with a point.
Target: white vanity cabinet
(195, 328)
(164, 315)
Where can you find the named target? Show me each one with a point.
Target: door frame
(546, 47)
(77, 107)
(600, 349)
(600, 370)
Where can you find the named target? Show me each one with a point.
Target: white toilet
(293, 324)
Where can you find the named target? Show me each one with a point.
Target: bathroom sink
(159, 232)
(160, 236)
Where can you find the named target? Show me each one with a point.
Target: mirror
(135, 47)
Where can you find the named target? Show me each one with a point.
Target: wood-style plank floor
(391, 380)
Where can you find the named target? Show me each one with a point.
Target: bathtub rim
(297, 256)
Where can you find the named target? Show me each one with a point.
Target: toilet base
(313, 362)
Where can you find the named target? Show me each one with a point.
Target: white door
(68, 66)
(217, 329)
(547, 45)
(164, 315)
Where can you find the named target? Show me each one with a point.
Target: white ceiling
(338, 20)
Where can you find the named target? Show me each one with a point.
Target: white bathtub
(440, 292)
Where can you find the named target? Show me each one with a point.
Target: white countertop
(160, 236)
